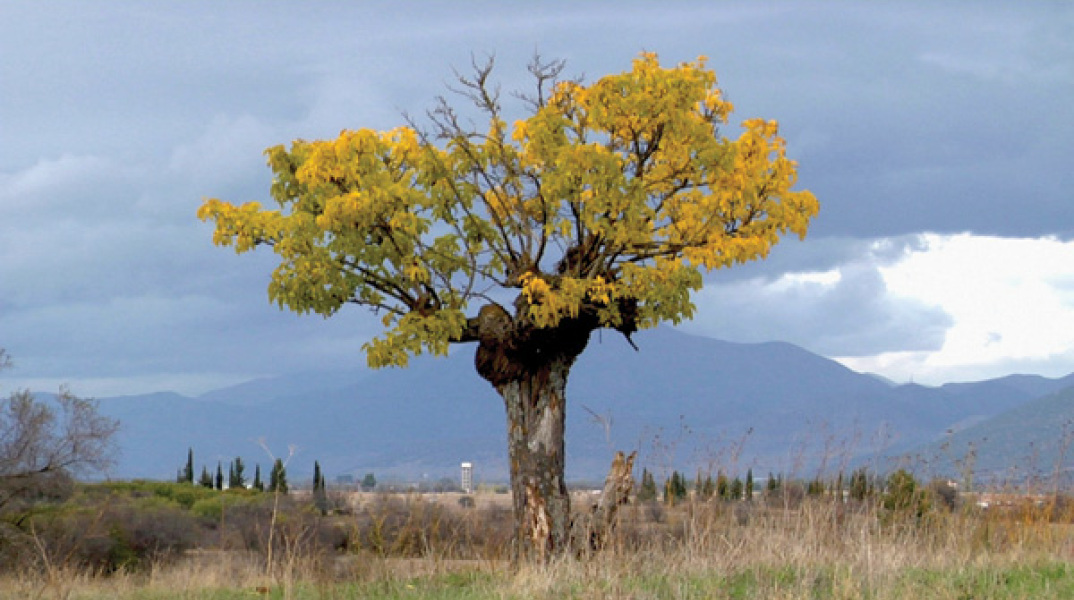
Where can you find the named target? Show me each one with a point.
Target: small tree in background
(258, 484)
(369, 483)
(188, 470)
(815, 487)
(647, 490)
(42, 443)
(859, 485)
(708, 487)
(237, 477)
(278, 477)
(749, 484)
(736, 489)
(903, 494)
(723, 486)
(219, 476)
(675, 488)
(206, 479)
(320, 491)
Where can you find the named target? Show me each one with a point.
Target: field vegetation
(894, 538)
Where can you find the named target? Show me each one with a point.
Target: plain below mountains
(684, 402)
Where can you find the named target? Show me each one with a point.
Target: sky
(937, 137)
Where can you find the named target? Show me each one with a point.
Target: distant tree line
(277, 481)
(236, 477)
(898, 491)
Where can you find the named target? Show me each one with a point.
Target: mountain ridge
(682, 401)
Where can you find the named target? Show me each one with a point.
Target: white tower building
(468, 477)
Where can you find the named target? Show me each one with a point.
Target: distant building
(467, 477)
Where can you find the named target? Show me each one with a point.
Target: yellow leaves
(549, 300)
(629, 172)
(414, 334)
(416, 273)
(243, 227)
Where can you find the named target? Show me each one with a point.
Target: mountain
(682, 401)
(1031, 441)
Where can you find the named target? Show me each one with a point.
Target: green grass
(1045, 580)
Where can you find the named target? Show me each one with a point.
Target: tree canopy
(607, 202)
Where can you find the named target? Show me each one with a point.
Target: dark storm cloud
(119, 118)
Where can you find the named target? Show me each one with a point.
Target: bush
(903, 495)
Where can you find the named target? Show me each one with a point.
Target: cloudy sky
(937, 136)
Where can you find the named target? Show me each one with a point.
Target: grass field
(815, 548)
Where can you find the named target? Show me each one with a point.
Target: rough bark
(529, 366)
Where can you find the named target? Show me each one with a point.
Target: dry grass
(819, 549)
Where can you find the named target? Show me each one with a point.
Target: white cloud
(931, 308)
(837, 309)
(1010, 301)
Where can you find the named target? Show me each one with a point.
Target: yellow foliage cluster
(619, 190)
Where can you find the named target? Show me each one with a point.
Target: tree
(219, 476)
(206, 479)
(773, 485)
(320, 491)
(601, 209)
(859, 484)
(903, 494)
(258, 484)
(675, 488)
(647, 489)
(236, 474)
(749, 484)
(278, 477)
(369, 482)
(46, 442)
(708, 487)
(723, 486)
(735, 490)
(187, 474)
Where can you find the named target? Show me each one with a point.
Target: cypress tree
(736, 489)
(206, 479)
(647, 491)
(369, 482)
(749, 484)
(258, 484)
(239, 473)
(278, 477)
(859, 484)
(771, 486)
(219, 476)
(708, 488)
(675, 488)
(188, 471)
(320, 493)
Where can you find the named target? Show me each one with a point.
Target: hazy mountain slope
(1030, 440)
(682, 401)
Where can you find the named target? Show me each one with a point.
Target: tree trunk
(536, 419)
(528, 366)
